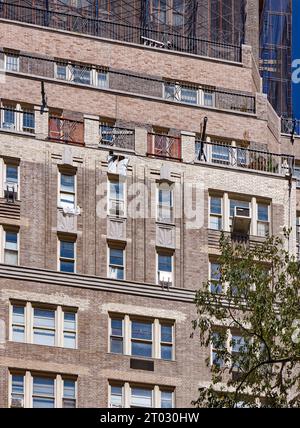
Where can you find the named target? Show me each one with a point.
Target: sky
(296, 54)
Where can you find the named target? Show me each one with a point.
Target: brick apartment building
(112, 196)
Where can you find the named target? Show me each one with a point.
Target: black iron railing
(112, 136)
(117, 31)
(103, 78)
(290, 126)
(240, 157)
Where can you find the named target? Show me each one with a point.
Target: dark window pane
(67, 266)
(116, 345)
(141, 349)
(67, 249)
(166, 352)
(141, 330)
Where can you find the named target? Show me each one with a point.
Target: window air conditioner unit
(241, 220)
(10, 192)
(165, 279)
(17, 403)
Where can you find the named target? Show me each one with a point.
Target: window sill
(45, 346)
(142, 358)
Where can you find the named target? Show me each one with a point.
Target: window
(166, 341)
(167, 12)
(141, 338)
(11, 182)
(147, 338)
(297, 175)
(8, 118)
(215, 278)
(165, 268)
(262, 219)
(43, 393)
(165, 204)
(116, 263)
(116, 197)
(70, 329)
(220, 153)
(50, 326)
(239, 204)
(116, 335)
(69, 394)
(208, 98)
(11, 62)
(217, 347)
(28, 121)
(44, 327)
(32, 390)
(189, 95)
(139, 396)
(81, 74)
(16, 118)
(11, 252)
(61, 71)
(67, 256)
(215, 213)
(67, 191)
(167, 399)
(116, 396)
(237, 345)
(102, 79)
(183, 93)
(18, 323)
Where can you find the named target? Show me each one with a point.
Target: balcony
(122, 32)
(12, 119)
(229, 156)
(290, 126)
(164, 146)
(66, 131)
(119, 138)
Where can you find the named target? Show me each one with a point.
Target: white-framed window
(125, 394)
(43, 325)
(11, 247)
(165, 203)
(11, 62)
(165, 268)
(263, 220)
(61, 71)
(218, 345)
(116, 266)
(83, 74)
(207, 98)
(8, 117)
(116, 195)
(227, 340)
(216, 212)
(15, 117)
(215, 278)
(67, 255)
(67, 191)
(102, 77)
(190, 94)
(233, 203)
(11, 181)
(141, 337)
(41, 390)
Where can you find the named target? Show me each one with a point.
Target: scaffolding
(276, 53)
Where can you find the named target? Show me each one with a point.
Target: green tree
(251, 324)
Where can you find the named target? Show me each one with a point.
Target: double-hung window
(11, 62)
(116, 335)
(43, 392)
(167, 398)
(237, 345)
(11, 181)
(28, 121)
(189, 95)
(141, 397)
(116, 263)
(183, 93)
(67, 256)
(116, 197)
(67, 191)
(165, 204)
(8, 119)
(17, 390)
(217, 347)
(166, 341)
(263, 221)
(102, 79)
(141, 338)
(116, 396)
(235, 203)
(44, 326)
(18, 323)
(70, 328)
(69, 394)
(215, 278)
(215, 220)
(165, 268)
(11, 247)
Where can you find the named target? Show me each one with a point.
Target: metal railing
(112, 136)
(12, 119)
(66, 130)
(117, 31)
(164, 146)
(244, 158)
(289, 126)
(131, 83)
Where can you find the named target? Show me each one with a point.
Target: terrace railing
(289, 126)
(12, 119)
(164, 146)
(117, 31)
(66, 130)
(122, 138)
(244, 158)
